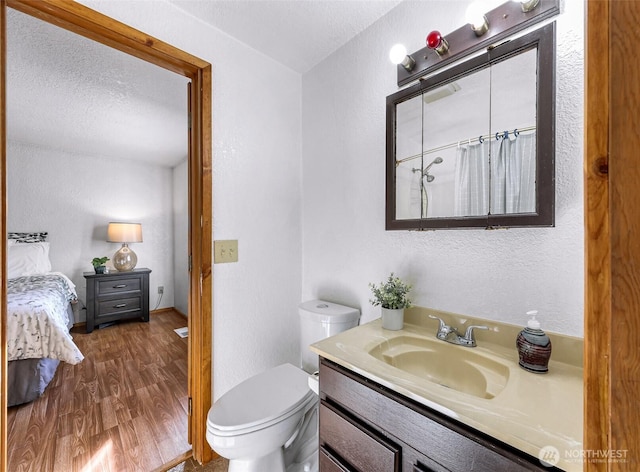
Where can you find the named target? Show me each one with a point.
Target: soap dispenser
(534, 346)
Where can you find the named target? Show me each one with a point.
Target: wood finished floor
(124, 408)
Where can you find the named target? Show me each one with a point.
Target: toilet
(269, 422)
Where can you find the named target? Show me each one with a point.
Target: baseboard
(159, 311)
(167, 310)
(178, 460)
(162, 310)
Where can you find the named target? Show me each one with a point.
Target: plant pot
(392, 319)
(100, 270)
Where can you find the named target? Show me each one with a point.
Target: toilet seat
(261, 401)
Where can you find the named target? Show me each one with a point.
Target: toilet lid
(261, 399)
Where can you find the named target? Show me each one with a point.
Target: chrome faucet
(451, 335)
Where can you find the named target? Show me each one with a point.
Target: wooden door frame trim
(597, 309)
(611, 375)
(82, 20)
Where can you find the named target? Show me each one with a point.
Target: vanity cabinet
(366, 427)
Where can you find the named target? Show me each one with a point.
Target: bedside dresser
(117, 296)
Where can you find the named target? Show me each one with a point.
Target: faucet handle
(468, 335)
(443, 328)
(442, 324)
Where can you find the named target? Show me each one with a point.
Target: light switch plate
(225, 251)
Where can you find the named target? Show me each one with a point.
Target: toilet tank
(320, 319)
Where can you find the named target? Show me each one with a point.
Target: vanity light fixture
(490, 28)
(528, 5)
(437, 42)
(477, 19)
(398, 55)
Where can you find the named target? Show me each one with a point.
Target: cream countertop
(532, 412)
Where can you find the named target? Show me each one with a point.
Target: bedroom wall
(490, 274)
(256, 190)
(73, 197)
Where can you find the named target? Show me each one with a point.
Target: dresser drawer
(364, 450)
(119, 305)
(117, 296)
(119, 285)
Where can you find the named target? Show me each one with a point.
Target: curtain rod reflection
(480, 139)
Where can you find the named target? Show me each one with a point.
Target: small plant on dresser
(98, 264)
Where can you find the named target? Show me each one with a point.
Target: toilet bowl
(252, 423)
(269, 422)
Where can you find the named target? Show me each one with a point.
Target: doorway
(86, 22)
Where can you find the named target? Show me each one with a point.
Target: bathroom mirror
(474, 146)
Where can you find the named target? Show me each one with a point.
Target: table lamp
(124, 260)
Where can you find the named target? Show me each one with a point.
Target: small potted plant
(98, 264)
(392, 298)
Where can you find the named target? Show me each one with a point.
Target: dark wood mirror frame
(544, 40)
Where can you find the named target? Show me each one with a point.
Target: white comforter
(37, 318)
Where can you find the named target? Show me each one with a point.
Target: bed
(39, 316)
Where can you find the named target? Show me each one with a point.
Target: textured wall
(256, 190)
(491, 274)
(74, 197)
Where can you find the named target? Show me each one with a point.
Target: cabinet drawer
(365, 450)
(330, 464)
(119, 285)
(119, 305)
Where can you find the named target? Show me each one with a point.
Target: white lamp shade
(124, 233)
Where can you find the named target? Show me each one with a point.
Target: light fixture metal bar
(504, 21)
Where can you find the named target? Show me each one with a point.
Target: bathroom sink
(458, 368)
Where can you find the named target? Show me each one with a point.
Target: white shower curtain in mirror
(513, 175)
(472, 180)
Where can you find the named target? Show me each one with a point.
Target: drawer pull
(120, 286)
(121, 305)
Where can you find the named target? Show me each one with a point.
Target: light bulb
(476, 18)
(437, 42)
(398, 53)
(527, 5)
(474, 15)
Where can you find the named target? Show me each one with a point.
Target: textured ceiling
(68, 93)
(71, 94)
(296, 33)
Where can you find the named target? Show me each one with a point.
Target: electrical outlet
(160, 289)
(225, 251)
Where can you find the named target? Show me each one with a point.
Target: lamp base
(125, 260)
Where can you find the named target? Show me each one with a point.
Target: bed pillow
(27, 259)
(27, 237)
